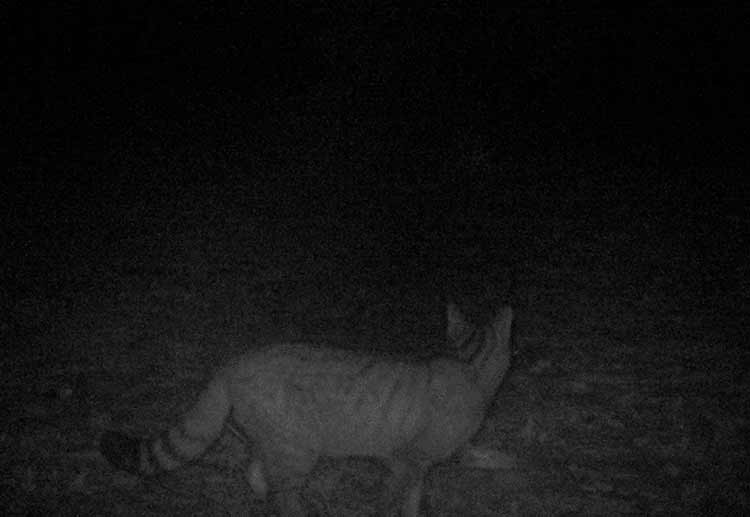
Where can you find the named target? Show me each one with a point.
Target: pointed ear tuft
(452, 312)
(457, 326)
(503, 323)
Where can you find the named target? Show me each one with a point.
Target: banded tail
(187, 440)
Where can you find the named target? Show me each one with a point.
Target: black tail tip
(121, 451)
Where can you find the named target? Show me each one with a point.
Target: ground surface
(627, 395)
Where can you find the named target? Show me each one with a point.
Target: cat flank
(297, 402)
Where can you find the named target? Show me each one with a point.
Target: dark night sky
(633, 73)
(373, 113)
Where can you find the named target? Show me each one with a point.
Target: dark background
(186, 180)
(371, 114)
(383, 143)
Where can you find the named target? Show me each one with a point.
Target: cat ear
(457, 328)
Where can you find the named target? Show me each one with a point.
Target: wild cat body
(302, 401)
(297, 402)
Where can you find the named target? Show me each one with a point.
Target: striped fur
(298, 402)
